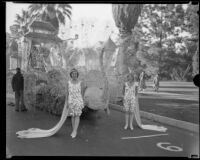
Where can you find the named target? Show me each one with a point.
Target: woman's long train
(39, 133)
(147, 127)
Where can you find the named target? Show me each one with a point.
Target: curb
(184, 97)
(169, 121)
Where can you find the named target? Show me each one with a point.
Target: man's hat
(18, 69)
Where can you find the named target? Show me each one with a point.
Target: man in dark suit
(18, 88)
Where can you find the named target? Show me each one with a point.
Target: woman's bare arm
(83, 88)
(67, 94)
(123, 92)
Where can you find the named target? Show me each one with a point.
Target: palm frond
(35, 8)
(60, 11)
(18, 17)
(51, 8)
(65, 9)
(67, 12)
(46, 12)
(25, 16)
(17, 21)
(55, 22)
(23, 13)
(69, 16)
(64, 6)
(43, 16)
(61, 17)
(35, 16)
(16, 25)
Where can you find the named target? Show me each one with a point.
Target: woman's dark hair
(132, 76)
(74, 70)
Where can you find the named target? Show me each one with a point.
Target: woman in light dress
(131, 105)
(75, 100)
(73, 106)
(130, 91)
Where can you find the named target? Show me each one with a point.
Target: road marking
(155, 135)
(169, 148)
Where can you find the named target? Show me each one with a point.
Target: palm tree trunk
(195, 61)
(121, 59)
(106, 95)
(160, 54)
(186, 72)
(160, 44)
(125, 17)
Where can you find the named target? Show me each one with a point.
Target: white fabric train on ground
(147, 127)
(39, 133)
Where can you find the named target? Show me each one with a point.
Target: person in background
(142, 81)
(156, 82)
(18, 88)
(130, 91)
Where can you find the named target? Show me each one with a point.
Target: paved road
(98, 135)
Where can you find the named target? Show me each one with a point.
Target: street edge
(169, 121)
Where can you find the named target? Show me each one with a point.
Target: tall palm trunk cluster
(125, 17)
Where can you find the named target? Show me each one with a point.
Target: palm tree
(53, 13)
(20, 28)
(125, 17)
(22, 21)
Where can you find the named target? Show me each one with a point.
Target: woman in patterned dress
(75, 100)
(130, 92)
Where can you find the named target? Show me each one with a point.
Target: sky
(99, 11)
(95, 11)
(98, 14)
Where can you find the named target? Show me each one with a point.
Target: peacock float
(47, 66)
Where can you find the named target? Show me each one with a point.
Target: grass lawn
(178, 100)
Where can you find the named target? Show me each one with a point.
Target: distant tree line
(166, 41)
